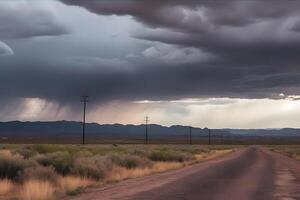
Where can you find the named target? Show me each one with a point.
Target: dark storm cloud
(25, 20)
(249, 39)
(64, 83)
(296, 26)
(245, 49)
(191, 14)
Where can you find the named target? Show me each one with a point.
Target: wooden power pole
(208, 136)
(84, 100)
(146, 124)
(191, 142)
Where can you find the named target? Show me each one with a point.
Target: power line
(84, 100)
(146, 124)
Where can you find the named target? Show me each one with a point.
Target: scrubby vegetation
(170, 156)
(292, 151)
(11, 166)
(45, 172)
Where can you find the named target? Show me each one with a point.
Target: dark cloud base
(256, 45)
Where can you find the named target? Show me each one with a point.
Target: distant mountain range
(17, 129)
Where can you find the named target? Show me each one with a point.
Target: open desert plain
(150, 99)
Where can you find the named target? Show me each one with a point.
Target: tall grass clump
(170, 156)
(37, 190)
(61, 161)
(11, 166)
(6, 186)
(73, 185)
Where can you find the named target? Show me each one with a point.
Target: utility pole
(84, 100)
(191, 135)
(208, 136)
(146, 120)
(222, 138)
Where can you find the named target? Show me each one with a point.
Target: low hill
(70, 130)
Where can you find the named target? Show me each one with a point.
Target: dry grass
(6, 153)
(6, 186)
(72, 183)
(212, 154)
(37, 190)
(121, 173)
(292, 151)
(164, 166)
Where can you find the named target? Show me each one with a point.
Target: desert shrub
(40, 173)
(94, 167)
(293, 151)
(61, 161)
(172, 156)
(205, 150)
(83, 153)
(130, 161)
(11, 166)
(139, 152)
(45, 148)
(25, 152)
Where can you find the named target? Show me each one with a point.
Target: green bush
(61, 161)
(11, 166)
(171, 156)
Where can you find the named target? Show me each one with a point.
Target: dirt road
(250, 174)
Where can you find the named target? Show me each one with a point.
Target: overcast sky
(217, 64)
